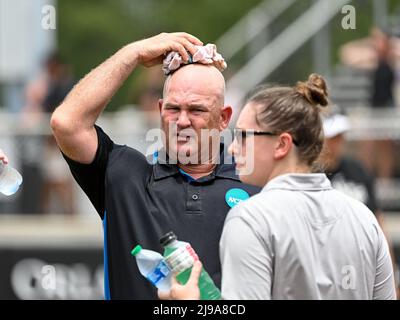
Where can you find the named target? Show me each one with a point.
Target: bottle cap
(136, 250)
(168, 238)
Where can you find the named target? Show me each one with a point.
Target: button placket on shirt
(193, 198)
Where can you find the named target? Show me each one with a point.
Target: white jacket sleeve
(384, 287)
(247, 263)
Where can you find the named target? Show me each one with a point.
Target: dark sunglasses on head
(243, 133)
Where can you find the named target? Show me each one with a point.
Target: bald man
(187, 189)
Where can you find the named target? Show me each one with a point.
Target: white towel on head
(205, 54)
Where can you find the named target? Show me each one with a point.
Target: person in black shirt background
(346, 174)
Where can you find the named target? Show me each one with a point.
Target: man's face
(192, 113)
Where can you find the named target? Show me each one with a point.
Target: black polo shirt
(351, 178)
(139, 202)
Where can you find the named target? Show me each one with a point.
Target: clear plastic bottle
(10, 179)
(152, 266)
(180, 257)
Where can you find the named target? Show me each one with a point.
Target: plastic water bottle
(152, 266)
(10, 179)
(180, 257)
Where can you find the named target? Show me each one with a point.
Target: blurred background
(46, 46)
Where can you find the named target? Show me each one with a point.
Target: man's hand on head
(189, 291)
(151, 51)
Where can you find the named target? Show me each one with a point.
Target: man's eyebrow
(198, 105)
(169, 104)
(190, 106)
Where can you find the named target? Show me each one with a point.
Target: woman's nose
(233, 148)
(230, 149)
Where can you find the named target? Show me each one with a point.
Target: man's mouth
(184, 137)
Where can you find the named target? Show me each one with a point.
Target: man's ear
(225, 117)
(160, 103)
(283, 145)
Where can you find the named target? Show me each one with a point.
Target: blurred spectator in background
(57, 180)
(45, 167)
(144, 94)
(383, 77)
(60, 82)
(44, 93)
(378, 156)
(150, 90)
(57, 191)
(346, 174)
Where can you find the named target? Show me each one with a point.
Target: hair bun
(314, 90)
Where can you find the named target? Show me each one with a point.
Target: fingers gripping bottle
(152, 266)
(180, 258)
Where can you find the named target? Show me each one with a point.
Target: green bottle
(180, 257)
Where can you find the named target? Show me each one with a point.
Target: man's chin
(187, 154)
(184, 150)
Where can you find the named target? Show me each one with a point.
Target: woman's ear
(283, 145)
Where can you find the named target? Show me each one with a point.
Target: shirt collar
(164, 170)
(225, 169)
(299, 182)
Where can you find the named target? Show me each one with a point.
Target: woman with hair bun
(298, 238)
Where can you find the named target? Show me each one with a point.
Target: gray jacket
(301, 239)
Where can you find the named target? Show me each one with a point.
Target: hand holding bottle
(189, 291)
(180, 258)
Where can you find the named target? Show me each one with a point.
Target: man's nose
(183, 120)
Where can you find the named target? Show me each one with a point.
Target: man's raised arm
(73, 121)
